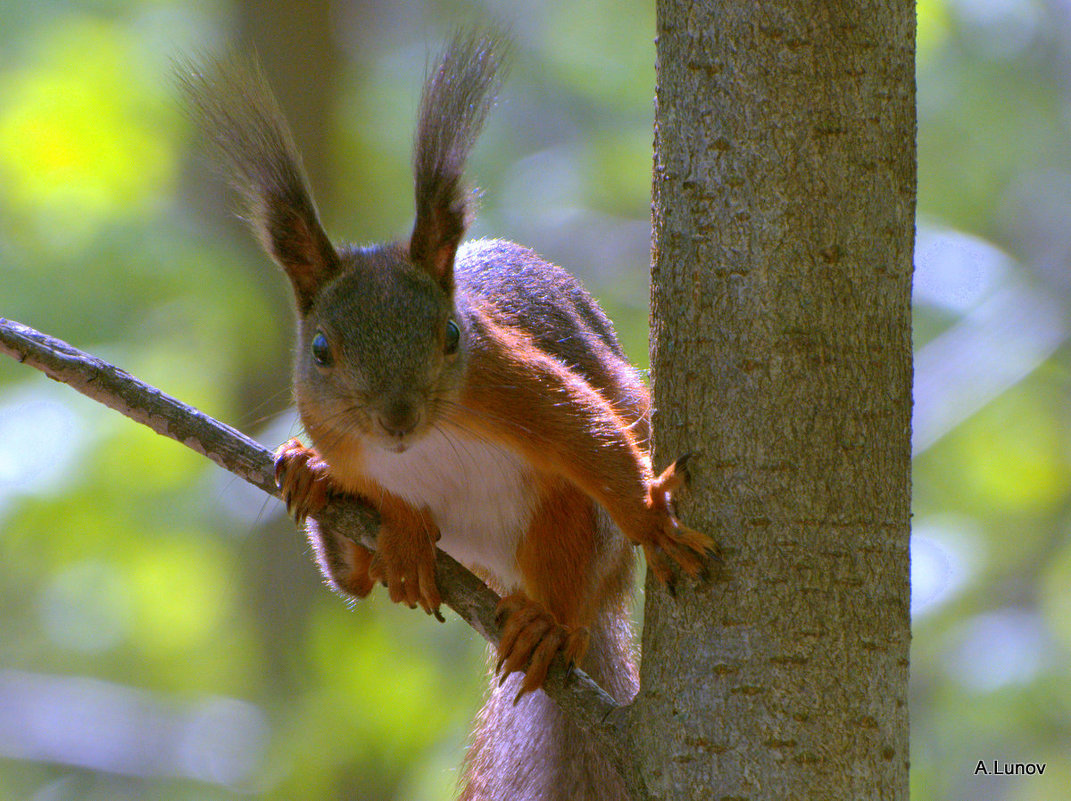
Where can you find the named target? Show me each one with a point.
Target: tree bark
(784, 198)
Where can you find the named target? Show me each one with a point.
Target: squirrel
(475, 395)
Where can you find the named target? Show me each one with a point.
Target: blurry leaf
(1010, 458)
(1004, 459)
(582, 39)
(1055, 594)
(155, 463)
(386, 689)
(87, 606)
(618, 167)
(181, 592)
(83, 134)
(932, 28)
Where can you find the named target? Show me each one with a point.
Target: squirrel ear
(458, 94)
(290, 231)
(231, 100)
(439, 226)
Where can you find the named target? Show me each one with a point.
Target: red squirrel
(478, 398)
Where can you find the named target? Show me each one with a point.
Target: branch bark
(473, 601)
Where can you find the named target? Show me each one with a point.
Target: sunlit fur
(385, 322)
(526, 450)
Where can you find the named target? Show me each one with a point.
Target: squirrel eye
(453, 338)
(321, 351)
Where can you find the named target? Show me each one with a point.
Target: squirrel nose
(399, 418)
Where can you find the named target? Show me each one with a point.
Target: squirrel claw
(531, 639)
(666, 538)
(303, 480)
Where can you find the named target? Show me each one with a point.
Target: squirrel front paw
(665, 538)
(404, 561)
(530, 640)
(302, 476)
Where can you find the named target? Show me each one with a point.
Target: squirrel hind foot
(530, 640)
(356, 582)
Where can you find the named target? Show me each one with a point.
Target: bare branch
(463, 592)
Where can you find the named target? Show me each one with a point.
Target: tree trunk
(784, 198)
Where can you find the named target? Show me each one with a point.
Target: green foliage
(124, 559)
(69, 142)
(989, 678)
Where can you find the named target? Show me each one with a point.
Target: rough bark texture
(784, 197)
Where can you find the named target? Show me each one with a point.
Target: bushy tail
(530, 751)
(458, 95)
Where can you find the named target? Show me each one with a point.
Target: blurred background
(163, 633)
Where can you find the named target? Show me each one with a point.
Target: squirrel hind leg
(343, 563)
(306, 486)
(357, 580)
(530, 640)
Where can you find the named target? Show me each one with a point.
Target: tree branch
(589, 705)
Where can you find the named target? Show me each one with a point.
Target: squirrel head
(381, 343)
(381, 351)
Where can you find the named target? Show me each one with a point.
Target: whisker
(248, 419)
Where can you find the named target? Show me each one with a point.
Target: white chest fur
(482, 496)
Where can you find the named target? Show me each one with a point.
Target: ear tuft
(232, 102)
(458, 95)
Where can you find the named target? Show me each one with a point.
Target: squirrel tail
(529, 750)
(458, 95)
